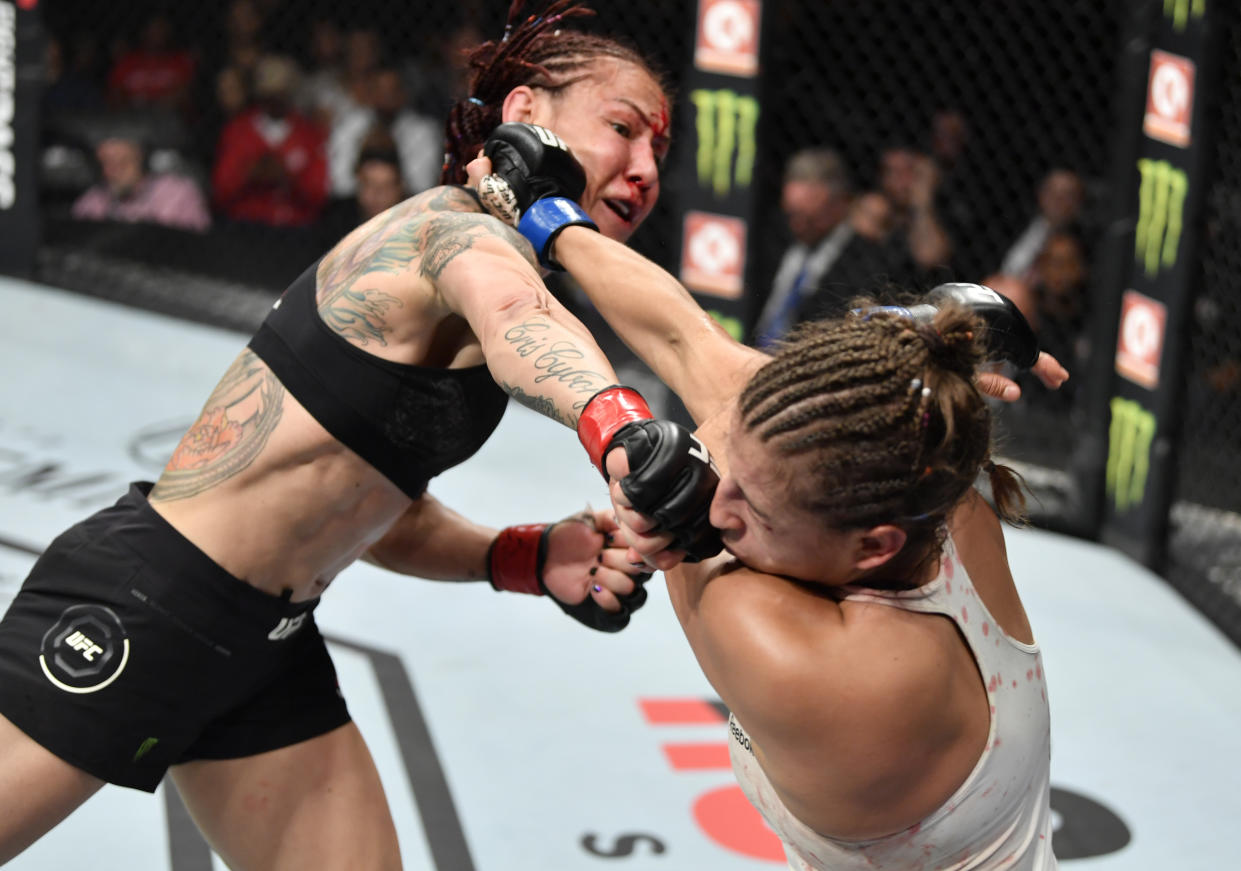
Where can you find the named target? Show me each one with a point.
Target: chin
(612, 225)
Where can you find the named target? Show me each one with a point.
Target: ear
(877, 545)
(519, 105)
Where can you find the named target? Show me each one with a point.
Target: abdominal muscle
(303, 508)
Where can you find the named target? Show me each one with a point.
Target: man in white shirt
(418, 140)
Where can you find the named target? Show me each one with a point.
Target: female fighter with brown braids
(376, 370)
(889, 706)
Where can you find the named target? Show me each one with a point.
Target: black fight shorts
(128, 650)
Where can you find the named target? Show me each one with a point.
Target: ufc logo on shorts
(549, 138)
(83, 645)
(286, 627)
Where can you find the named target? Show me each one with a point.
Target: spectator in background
(70, 83)
(910, 180)
(271, 161)
(377, 188)
(1060, 198)
(154, 74)
(363, 55)
(1060, 277)
(962, 187)
(321, 94)
(386, 117)
(1053, 295)
(229, 98)
(437, 77)
(871, 216)
(126, 191)
(243, 36)
(828, 262)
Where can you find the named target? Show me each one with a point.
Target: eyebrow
(661, 138)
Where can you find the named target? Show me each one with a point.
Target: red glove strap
(606, 412)
(513, 560)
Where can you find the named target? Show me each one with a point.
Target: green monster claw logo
(1129, 450)
(726, 122)
(145, 748)
(1161, 202)
(1180, 10)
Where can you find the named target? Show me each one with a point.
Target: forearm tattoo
(240, 415)
(555, 360)
(544, 405)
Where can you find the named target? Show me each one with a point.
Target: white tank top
(1000, 817)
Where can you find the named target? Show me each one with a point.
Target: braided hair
(887, 417)
(533, 51)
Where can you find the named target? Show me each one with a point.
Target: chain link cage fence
(1012, 102)
(1205, 536)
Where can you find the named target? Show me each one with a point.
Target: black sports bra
(409, 422)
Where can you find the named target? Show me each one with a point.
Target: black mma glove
(1008, 335)
(671, 477)
(515, 563)
(534, 185)
(672, 480)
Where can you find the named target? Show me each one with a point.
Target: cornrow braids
(536, 51)
(886, 417)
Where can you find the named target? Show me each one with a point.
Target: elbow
(523, 310)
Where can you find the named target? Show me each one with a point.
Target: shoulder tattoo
(448, 234)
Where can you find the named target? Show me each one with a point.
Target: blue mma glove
(534, 185)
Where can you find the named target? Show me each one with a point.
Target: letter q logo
(727, 39)
(1169, 99)
(713, 254)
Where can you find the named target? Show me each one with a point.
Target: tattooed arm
(536, 350)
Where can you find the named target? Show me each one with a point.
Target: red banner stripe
(691, 757)
(671, 711)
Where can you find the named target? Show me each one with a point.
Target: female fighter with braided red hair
(386, 363)
(888, 701)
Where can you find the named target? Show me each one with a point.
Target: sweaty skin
(267, 493)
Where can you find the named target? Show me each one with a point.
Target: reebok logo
(286, 627)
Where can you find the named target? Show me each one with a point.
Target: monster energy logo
(1129, 450)
(727, 123)
(1161, 202)
(1180, 10)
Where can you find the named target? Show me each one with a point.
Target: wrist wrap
(516, 556)
(543, 221)
(604, 415)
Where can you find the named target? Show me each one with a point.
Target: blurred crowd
(315, 126)
(916, 225)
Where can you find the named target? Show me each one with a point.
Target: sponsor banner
(1154, 295)
(1131, 436)
(1181, 12)
(1139, 345)
(726, 125)
(1162, 192)
(719, 203)
(1169, 99)
(727, 37)
(713, 254)
(20, 85)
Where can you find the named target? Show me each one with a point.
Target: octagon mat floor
(511, 739)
